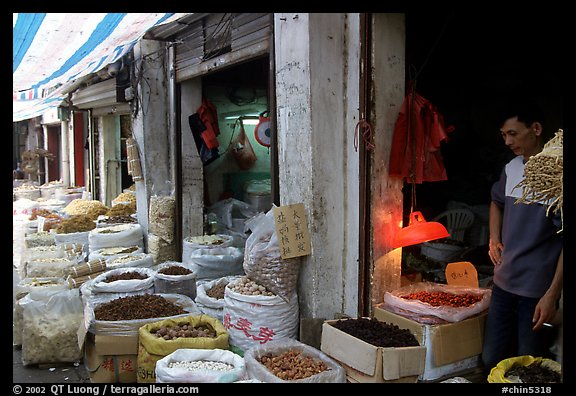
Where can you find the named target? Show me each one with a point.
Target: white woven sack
(256, 320)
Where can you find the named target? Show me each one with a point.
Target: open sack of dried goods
(90, 208)
(194, 243)
(142, 260)
(50, 327)
(123, 280)
(175, 277)
(111, 253)
(115, 236)
(200, 366)
(263, 262)
(292, 361)
(159, 339)
(526, 369)
(210, 296)
(110, 314)
(253, 315)
(41, 288)
(451, 303)
(212, 263)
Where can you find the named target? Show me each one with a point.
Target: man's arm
(547, 306)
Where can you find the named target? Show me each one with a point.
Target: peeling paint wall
(317, 103)
(192, 170)
(151, 125)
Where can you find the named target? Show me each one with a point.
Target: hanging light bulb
(419, 231)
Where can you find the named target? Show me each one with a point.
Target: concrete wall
(151, 126)
(192, 170)
(387, 95)
(317, 104)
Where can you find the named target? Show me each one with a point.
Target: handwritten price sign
(292, 230)
(462, 273)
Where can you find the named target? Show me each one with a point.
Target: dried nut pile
(264, 264)
(292, 365)
(202, 365)
(217, 291)
(174, 270)
(125, 276)
(141, 306)
(437, 299)
(245, 285)
(184, 330)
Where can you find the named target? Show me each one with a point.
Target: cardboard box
(111, 359)
(450, 347)
(367, 363)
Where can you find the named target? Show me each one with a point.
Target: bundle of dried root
(543, 177)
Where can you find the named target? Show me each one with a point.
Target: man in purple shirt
(526, 250)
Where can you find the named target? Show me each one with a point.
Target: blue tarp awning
(52, 49)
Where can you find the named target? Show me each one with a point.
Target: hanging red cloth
(419, 129)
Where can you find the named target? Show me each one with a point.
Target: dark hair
(526, 110)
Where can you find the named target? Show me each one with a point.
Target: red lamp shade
(418, 231)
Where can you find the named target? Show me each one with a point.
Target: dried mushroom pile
(144, 306)
(292, 365)
(377, 333)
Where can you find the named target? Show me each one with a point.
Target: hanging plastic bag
(242, 149)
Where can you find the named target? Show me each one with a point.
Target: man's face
(520, 138)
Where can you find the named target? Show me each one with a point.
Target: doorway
(467, 64)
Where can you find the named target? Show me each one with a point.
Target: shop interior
(240, 95)
(468, 64)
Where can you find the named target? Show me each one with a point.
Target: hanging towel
(421, 133)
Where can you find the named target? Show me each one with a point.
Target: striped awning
(52, 49)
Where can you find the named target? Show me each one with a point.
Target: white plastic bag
(334, 374)
(191, 244)
(167, 374)
(255, 320)
(116, 235)
(263, 262)
(178, 284)
(210, 305)
(99, 284)
(50, 328)
(217, 262)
